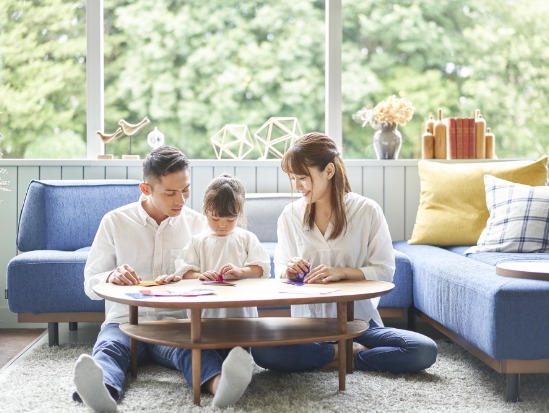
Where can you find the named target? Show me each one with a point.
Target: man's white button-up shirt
(128, 235)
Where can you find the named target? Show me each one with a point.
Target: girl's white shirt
(366, 244)
(209, 252)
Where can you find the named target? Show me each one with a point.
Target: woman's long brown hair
(317, 150)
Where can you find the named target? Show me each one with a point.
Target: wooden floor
(14, 340)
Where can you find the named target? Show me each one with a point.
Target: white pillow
(519, 218)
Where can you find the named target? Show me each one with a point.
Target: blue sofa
(503, 321)
(58, 223)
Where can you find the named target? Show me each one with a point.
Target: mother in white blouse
(338, 235)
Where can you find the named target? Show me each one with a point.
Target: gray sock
(88, 378)
(236, 374)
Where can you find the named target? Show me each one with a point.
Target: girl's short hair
(317, 150)
(225, 197)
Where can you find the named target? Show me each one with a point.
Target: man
(140, 241)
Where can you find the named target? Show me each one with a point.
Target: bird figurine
(106, 138)
(131, 129)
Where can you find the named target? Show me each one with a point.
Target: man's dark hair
(162, 161)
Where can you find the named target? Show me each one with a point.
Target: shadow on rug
(457, 382)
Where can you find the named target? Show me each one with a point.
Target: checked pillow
(519, 218)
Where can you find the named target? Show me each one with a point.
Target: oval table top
(535, 270)
(246, 293)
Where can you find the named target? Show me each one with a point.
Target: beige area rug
(458, 382)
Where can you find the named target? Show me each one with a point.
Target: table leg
(133, 342)
(350, 317)
(342, 344)
(195, 338)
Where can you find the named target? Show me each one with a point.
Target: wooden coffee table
(535, 270)
(217, 333)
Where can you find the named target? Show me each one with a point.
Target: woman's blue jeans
(390, 350)
(112, 353)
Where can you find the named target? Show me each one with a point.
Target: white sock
(236, 373)
(88, 378)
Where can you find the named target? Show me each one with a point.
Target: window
(193, 66)
(43, 79)
(451, 54)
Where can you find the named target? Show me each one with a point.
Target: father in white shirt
(141, 241)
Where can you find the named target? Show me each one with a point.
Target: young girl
(335, 234)
(225, 249)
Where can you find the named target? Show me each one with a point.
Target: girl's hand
(296, 266)
(325, 274)
(208, 276)
(233, 270)
(167, 278)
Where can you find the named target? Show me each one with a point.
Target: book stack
(461, 138)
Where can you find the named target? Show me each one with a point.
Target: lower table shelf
(245, 332)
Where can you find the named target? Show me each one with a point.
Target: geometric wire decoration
(232, 140)
(276, 135)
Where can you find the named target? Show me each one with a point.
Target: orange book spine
(472, 139)
(465, 128)
(459, 138)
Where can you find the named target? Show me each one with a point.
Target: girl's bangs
(295, 163)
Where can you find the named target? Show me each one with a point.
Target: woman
(337, 235)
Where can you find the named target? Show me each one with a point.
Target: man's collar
(143, 215)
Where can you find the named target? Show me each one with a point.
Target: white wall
(392, 184)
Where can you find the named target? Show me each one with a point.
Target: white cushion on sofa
(519, 218)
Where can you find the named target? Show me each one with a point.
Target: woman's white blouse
(366, 244)
(208, 252)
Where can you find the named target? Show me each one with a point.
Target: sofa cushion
(519, 218)
(501, 316)
(494, 258)
(57, 281)
(452, 208)
(262, 212)
(45, 224)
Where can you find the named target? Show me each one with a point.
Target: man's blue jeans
(390, 350)
(112, 353)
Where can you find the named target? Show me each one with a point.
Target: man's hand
(325, 274)
(123, 275)
(167, 278)
(296, 266)
(208, 276)
(233, 270)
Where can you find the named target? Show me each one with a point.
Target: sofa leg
(512, 387)
(73, 326)
(411, 319)
(53, 334)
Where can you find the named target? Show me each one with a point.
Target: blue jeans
(390, 350)
(112, 353)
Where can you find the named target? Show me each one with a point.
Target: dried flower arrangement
(393, 110)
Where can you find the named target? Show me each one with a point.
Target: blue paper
(139, 295)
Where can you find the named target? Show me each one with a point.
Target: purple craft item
(300, 279)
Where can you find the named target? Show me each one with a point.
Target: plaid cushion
(519, 218)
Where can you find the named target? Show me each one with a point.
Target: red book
(472, 139)
(465, 122)
(451, 142)
(459, 138)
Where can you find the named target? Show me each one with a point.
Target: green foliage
(193, 66)
(64, 145)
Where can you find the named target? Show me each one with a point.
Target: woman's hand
(208, 276)
(233, 270)
(296, 266)
(123, 275)
(167, 278)
(325, 274)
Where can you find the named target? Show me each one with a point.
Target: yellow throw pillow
(452, 206)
